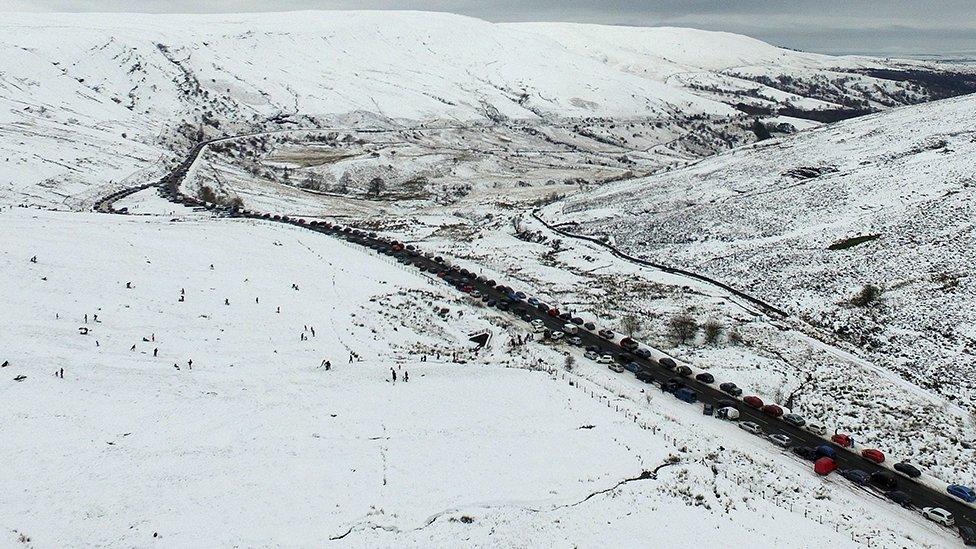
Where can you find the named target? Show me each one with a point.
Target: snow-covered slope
(258, 445)
(762, 219)
(89, 99)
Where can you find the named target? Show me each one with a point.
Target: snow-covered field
(258, 444)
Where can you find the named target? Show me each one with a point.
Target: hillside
(87, 100)
(807, 222)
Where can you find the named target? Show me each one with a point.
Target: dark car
(968, 534)
(794, 420)
(632, 367)
(589, 326)
(683, 371)
(884, 480)
(825, 451)
(645, 376)
(577, 321)
(708, 409)
(629, 344)
(908, 469)
(667, 363)
(705, 377)
(856, 476)
(643, 353)
(686, 395)
(805, 452)
(730, 388)
(753, 401)
(899, 497)
(672, 385)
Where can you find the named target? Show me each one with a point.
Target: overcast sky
(830, 26)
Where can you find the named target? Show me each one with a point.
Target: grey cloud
(832, 26)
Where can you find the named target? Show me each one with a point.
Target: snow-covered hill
(86, 99)
(257, 444)
(808, 222)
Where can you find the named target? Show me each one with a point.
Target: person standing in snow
(86, 318)
(190, 363)
(406, 376)
(133, 348)
(62, 373)
(392, 371)
(226, 301)
(313, 331)
(155, 352)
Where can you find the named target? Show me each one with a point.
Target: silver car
(780, 439)
(751, 427)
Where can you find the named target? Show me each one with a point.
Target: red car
(553, 312)
(824, 466)
(753, 401)
(873, 455)
(772, 410)
(840, 439)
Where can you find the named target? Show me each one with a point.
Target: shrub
(207, 194)
(713, 331)
(868, 295)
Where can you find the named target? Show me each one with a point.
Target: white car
(605, 359)
(557, 335)
(575, 341)
(538, 326)
(816, 428)
(939, 515)
(780, 440)
(591, 355)
(571, 329)
(751, 427)
(476, 294)
(728, 413)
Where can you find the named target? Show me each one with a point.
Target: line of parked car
(518, 302)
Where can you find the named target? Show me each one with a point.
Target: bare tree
(569, 363)
(868, 295)
(631, 324)
(735, 338)
(683, 328)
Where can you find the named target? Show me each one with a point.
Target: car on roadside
(667, 363)
(899, 497)
(577, 321)
(571, 329)
(672, 385)
(705, 377)
(964, 493)
(632, 367)
(751, 427)
(685, 394)
(805, 452)
(842, 440)
(616, 367)
(629, 344)
(825, 451)
(592, 355)
(753, 402)
(683, 371)
(728, 413)
(643, 353)
(605, 358)
(968, 534)
(872, 454)
(815, 428)
(575, 341)
(605, 334)
(884, 480)
(589, 326)
(780, 439)
(644, 375)
(730, 388)
(772, 410)
(907, 469)
(938, 514)
(856, 476)
(794, 420)
(556, 335)
(708, 409)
